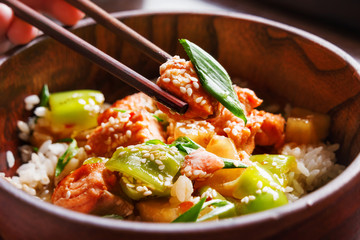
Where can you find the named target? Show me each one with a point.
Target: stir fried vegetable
(78, 109)
(70, 152)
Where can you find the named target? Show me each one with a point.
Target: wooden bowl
(277, 60)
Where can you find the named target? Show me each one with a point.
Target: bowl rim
(315, 201)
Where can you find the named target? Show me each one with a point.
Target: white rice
(315, 167)
(10, 159)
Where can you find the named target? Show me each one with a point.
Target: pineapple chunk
(200, 131)
(222, 147)
(306, 127)
(158, 210)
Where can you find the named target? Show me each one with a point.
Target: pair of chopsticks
(98, 57)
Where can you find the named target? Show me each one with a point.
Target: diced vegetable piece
(214, 78)
(78, 109)
(44, 96)
(157, 210)
(200, 134)
(147, 169)
(95, 160)
(70, 152)
(223, 181)
(225, 212)
(277, 164)
(192, 214)
(306, 127)
(258, 190)
(218, 208)
(222, 147)
(185, 145)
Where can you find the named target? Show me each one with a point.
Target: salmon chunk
(200, 164)
(271, 131)
(134, 102)
(178, 77)
(88, 190)
(128, 128)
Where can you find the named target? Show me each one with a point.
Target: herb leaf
(70, 152)
(221, 206)
(214, 78)
(192, 214)
(44, 96)
(185, 145)
(230, 163)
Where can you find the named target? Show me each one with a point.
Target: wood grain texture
(279, 63)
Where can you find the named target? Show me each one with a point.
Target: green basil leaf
(214, 78)
(70, 152)
(192, 214)
(44, 96)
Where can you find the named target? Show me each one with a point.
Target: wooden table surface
(345, 38)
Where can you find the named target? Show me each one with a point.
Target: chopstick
(117, 27)
(95, 55)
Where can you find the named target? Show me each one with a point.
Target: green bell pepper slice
(278, 165)
(146, 165)
(258, 190)
(78, 109)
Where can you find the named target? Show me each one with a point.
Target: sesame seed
(227, 130)
(143, 160)
(146, 155)
(274, 164)
(196, 85)
(258, 191)
(234, 132)
(189, 91)
(111, 129)
(128, 133)
(130, 185)
(251, 197)
(203, 102)
(197, 172)
(134, 150)
(167, 183)
(158, 162)
(161, 177)
(166, 80)
(183, 90)
(176, 82)
(147, 193)
(87, 147)
(82, 101)
(161, 167)
(152, 157)
(245, 200)
(186, 80)
(139, 189)
(199, 99)
(68, 194)
(187, 168)
(259, 184)
(112, 120)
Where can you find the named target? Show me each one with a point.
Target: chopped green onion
(119, 110)
(214, 78)
(114, 216)
(157, 118)
(223, 209)
(44, 96)
(230, 163)
(70, 152)
(192, 214)
(155, 142)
